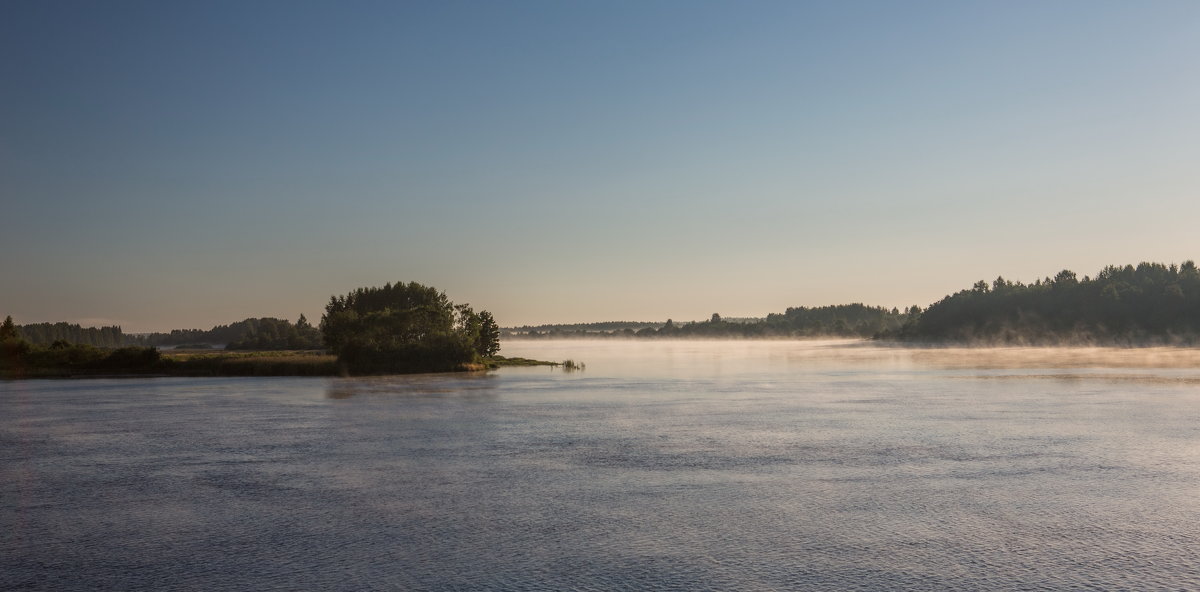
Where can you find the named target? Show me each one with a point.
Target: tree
(8, 330)
(488, 342)
(405, 328)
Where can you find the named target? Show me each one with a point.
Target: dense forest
(48, 333)
(1149, 304)
(406, 328)
(265, 333)
(18, 355)
(269, 333)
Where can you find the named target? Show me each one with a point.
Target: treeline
(843, 320)
(407, 328)
(272, 334)
(18, 356)
(266, 333)
(1152, 303)
(48, 333)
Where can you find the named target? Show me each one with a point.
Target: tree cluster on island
(398, 328)
(406, 328)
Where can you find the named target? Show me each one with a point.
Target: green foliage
(487, 343)
(19, 358)
(47, 333)
(406, 328)
(501, 361)
(277, 334)
(1150, 303)
(265, 333)
(8, 330)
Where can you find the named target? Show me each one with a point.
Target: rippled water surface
(662, 466)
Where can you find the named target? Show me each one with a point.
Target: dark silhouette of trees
(8, 330)
(47, 333)
(277, 334)
(487, 344)
(406, 328)
(1147, 304)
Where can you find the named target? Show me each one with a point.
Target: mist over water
(664, 465)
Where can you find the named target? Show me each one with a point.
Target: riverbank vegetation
(21, 359)
(1147, 304)
(1150, 304)
(266, 333)
(400, 328)
(403, 328)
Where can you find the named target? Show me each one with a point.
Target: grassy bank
(501, 362)
(83, 361)
(249, 363)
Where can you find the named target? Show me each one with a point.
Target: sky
(187, 164)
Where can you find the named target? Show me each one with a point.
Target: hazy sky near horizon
(186, 164)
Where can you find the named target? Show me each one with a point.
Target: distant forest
(1152, 303)
(265, 333)
(842, 320)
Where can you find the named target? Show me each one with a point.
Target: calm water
(663, 466)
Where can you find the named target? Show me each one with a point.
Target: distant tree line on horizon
(266, 333)
(1149, 304)
(48, 333)
(841, 320)
(410, 327)
(17, 353)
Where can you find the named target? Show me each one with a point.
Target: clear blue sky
(184, 164)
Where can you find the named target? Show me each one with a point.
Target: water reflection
(664, 466)
(462, 385)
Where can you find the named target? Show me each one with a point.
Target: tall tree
(488, 342)
(8, 330)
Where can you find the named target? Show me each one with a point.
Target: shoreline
(205, 364)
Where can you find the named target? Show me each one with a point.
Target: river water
(662, 466)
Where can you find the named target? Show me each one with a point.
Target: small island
(397, 329)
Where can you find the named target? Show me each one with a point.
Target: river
(736, 465)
